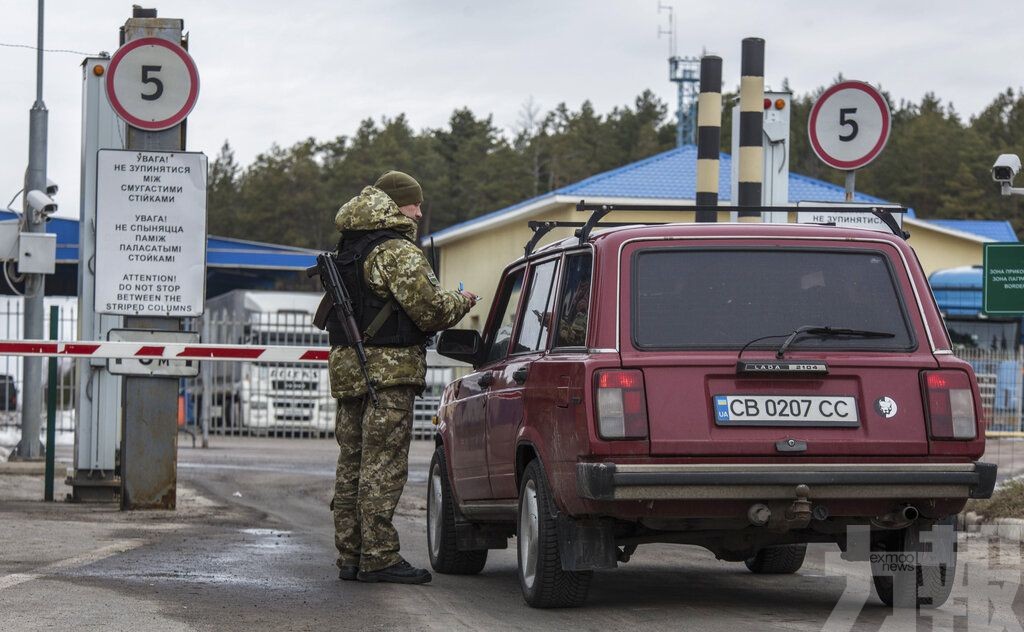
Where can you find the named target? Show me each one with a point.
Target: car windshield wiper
(820, 331)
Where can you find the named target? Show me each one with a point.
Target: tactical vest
(383, 322)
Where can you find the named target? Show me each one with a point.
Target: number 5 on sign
(849, 125)
(152, 83)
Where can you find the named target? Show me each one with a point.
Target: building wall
(478, 258)
(938, 251)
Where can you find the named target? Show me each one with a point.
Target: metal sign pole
(851, 179)
(149, 438)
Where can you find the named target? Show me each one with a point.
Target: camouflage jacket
(394, 268)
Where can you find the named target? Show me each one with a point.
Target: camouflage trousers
(373, 466)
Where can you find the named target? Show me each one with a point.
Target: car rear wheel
(445, 557)
(544, 583)
(911, 571)
(778, 560)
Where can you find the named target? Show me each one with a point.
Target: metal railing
(999, 375)
(12, 316)
(245, 398)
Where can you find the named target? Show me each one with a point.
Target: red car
(748, 388)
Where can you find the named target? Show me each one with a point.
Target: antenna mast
(685, 73)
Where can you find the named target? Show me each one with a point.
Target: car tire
(543, 582)
(445, 557)
(778, 560)
(921, 585)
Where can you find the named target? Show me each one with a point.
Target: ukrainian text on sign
(1003, 280)
(150, 233)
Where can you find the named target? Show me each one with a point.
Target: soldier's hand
(473, 298)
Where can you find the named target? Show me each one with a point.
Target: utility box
(37, 253)
(9, 230)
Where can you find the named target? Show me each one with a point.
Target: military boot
(348, 573)
(401, 572)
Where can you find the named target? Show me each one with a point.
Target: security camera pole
(35, 180)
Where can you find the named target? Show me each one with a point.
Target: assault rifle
(326, 269)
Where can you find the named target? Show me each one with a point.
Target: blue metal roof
(997, 230)
(221, 252)
(672, 175)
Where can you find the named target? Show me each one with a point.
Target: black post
(751, 167)
(709, 135)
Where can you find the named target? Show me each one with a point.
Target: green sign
(1003, 289)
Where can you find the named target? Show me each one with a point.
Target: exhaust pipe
(902, 517)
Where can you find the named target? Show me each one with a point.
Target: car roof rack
(541, 228)
(882, 211)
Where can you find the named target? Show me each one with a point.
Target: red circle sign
(152, 83)
(849, 125)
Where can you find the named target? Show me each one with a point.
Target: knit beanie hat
(400, 187)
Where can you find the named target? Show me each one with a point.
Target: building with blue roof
(230, 263)
(475, 251)
(670, 176)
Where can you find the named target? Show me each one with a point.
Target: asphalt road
(250, 548)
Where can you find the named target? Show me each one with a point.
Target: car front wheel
(544, 583)
(445, 557)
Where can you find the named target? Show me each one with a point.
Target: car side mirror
(464, 345)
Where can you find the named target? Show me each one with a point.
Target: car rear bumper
(610, 481)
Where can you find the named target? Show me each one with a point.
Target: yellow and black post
(751, 125)
(709, 135)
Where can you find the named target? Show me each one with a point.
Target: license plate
(785, 410)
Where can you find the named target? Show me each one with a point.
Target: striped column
(709, 135)
(751, 156)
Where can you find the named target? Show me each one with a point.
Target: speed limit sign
(849, 125)
(152, 83)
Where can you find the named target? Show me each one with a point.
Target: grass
(1006, 502)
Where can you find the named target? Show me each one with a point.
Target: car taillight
(621, 405)
(950, 405)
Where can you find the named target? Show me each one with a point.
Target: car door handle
(519, 375)
(485, 380)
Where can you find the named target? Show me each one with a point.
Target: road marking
(8, 581)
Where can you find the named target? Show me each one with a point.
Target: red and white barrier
(166, 351)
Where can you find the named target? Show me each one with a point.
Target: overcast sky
(275, 71)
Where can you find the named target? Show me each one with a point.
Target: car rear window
(722, 298)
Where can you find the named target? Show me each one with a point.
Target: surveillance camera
(40, 202)
(51, 187)
(1006, 168)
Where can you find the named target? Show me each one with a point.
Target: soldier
(399, 304)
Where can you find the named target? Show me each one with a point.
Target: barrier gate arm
(164, 350)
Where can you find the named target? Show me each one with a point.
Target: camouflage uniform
(374, 441)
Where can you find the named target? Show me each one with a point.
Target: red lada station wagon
(748, 388)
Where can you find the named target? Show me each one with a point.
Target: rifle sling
(378, 322)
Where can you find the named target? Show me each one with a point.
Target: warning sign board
(153, 366)
(150, 233)
(1003, 280)
(846, 218)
